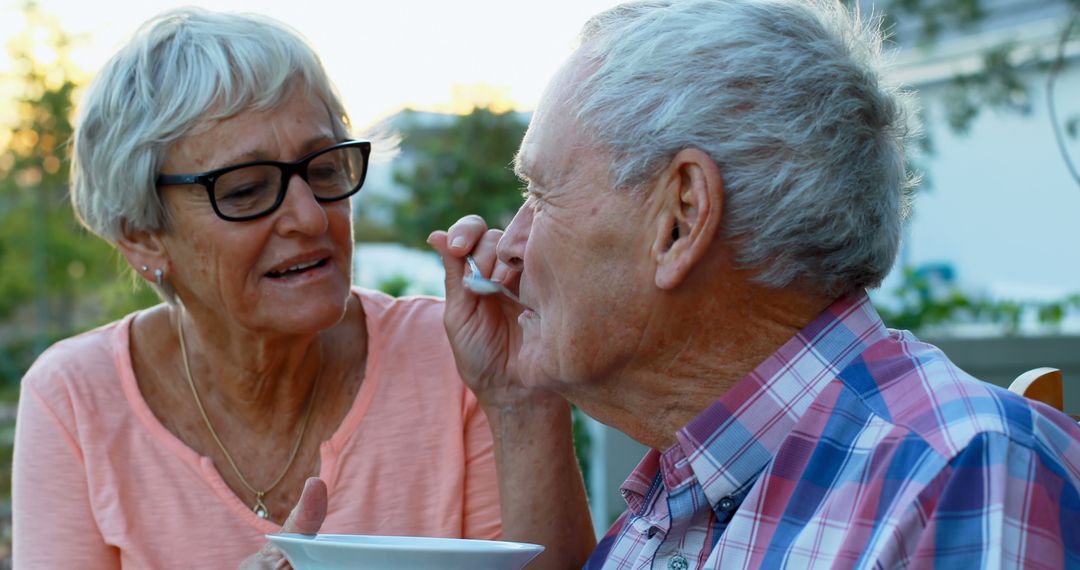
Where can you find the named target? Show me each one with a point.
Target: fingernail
(458, 242)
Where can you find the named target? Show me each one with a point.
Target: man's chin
(532, 368)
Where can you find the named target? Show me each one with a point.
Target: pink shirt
(100, 483)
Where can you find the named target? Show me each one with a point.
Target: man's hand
(532, 427)
(483, 330)
(306, 518)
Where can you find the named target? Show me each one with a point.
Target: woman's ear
(691, 194)
(144, 251)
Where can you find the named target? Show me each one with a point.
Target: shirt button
(677, 562)
(727, 504)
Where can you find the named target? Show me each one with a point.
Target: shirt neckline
(727, 445)
(328, 449)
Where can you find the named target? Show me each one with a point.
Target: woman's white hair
(182, 71)
(786, 97)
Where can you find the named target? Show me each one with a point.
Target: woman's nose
(300, 211)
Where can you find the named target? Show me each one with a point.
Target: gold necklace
(258, 507)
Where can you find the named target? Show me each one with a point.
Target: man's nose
(511, 248)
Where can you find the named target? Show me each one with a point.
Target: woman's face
(286, 272)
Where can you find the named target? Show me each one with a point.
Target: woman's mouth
(298, 269)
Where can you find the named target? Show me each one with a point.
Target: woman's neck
(261, 379)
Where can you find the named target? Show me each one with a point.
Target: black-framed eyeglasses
(255, 189)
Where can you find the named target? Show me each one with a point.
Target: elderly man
(712, 187)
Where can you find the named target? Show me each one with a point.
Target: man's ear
(691, 197)
(143, 248)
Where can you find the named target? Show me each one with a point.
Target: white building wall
(1001, 207)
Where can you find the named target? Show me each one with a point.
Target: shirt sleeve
(482, 516)
(53, 525)
(1000, 504)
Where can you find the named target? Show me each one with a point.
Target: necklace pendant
(260, 508)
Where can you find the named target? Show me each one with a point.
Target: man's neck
(706, 352)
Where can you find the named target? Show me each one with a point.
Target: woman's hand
(483, 329)
(306, 518)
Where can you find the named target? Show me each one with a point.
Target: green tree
(47, 260)
(1000, 83)
(924, 302)
(450, 169)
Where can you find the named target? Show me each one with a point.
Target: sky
(383, 55)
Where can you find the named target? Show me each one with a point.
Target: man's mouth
(298, 269)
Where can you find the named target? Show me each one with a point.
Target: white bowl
(364, 552)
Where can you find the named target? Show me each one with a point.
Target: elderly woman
(213, 152)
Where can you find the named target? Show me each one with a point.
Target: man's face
(583, 250)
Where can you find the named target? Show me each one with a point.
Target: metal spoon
(481, 285)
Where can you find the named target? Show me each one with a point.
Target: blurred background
(989, 269)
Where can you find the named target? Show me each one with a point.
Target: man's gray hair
(182, 71)
(786, 97)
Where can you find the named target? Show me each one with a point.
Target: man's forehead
(546, 153)
(553, 139)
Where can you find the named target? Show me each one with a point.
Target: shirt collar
(728, 444)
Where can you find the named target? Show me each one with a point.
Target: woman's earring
(159, 276)
(145, 268)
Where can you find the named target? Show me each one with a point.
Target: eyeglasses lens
(253, 190)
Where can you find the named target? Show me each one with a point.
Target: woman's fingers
(269, 558)
(310, 511)
(306, 518)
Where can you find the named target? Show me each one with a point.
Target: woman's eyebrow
(252, 155)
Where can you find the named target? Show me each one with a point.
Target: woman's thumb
(310, 511)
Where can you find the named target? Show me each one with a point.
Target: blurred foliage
(457, 168)
(998, 84)
(925, 302)
(582, 442)
(395, 286)
(935, 16)
(16, 356)
(7, 447)
(53, 273)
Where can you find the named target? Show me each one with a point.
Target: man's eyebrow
(527, 173)
(520, 169)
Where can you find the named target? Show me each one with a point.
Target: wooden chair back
(1043, 385)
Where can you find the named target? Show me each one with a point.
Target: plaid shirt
(855, 446)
